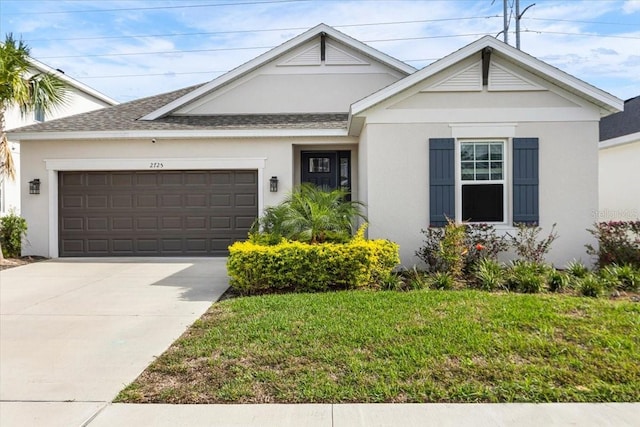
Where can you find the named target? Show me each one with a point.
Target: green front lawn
(422, 346)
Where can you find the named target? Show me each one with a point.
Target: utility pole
(505, 20)
(518, 18)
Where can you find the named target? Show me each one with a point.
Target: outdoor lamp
(273, 184)
(34, 186)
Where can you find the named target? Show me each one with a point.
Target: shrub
(618, 243)
(557, 281)
(452, 249)
(442, 245)
(414, 279)
(489, 274)
(528, 246)
(577, 269)
(13, 228)
(590, 286)
(301, 267)
(621, 277)
(443, 280)
(483, 243)
(527, 277)
(309, 214)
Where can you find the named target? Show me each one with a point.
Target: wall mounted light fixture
(34, 186)
(273, 184)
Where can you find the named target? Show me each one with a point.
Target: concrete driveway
(79, 330)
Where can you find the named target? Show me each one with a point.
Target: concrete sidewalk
(322, 415)
(73, 333)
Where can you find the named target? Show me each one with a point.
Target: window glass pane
(466, 152)
(319, 165)
(496, 170)
(344, 172)
(482, 171)
(483, 203)
(496, 151)
(482, 151)
(467, 171)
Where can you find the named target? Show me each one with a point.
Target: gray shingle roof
(623, 123)
(125, 117)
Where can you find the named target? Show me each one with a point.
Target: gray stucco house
(486, 134)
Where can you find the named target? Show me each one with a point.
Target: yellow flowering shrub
(297, 266)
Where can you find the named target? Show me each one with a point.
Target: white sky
(128, 49)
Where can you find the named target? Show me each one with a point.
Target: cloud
(607, 62)
(631, 6)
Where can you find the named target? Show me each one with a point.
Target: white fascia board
(273, 54)
(605, 100)
(177, 134)
(72, 82)
(621, 140)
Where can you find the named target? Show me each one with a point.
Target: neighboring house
(81, 98)
(619, 172)
(487, 134)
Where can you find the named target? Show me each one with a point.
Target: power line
(581, 34)
(131, 9)
(173, 52)
(584, 22)
(261, 30)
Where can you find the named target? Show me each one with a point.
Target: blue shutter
(441, 181)
(525, 181)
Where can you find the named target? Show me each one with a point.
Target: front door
(327, 169)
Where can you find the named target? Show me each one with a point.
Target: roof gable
(340, 50)
(505, 80)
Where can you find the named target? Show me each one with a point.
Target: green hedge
(301, 267)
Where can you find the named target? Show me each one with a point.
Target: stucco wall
(277, 153)
(620, 182)
(398, 185)
(77, 102)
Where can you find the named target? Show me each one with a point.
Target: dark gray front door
(327, 169)
(149, 213)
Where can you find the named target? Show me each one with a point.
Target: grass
(421, 346)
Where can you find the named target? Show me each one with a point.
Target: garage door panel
(98, 179)
(122, 180)
(142, 213)
(72, 201)
(97, 201)
(121, 201)
(98, 224)
(122, 224)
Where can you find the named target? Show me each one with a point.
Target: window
(482, 181)
(38, 115)
(319, 165)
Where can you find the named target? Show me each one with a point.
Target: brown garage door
(149, 213)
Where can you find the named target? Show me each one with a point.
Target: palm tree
(29, 91)
(313, 215)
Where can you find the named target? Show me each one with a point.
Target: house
(80, 98)
(487, 134)
(618, 169)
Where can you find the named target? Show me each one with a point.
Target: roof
(72, 82)
(624, 123)
(126, 117)
(607, 102)
(275, 53)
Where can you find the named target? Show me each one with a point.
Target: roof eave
(72, 82)
(273, 54)
(605, 101)
(174, 134)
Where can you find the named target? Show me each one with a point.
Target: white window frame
(506, 178)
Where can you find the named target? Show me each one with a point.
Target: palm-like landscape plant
(28, 90)
(312, 215)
